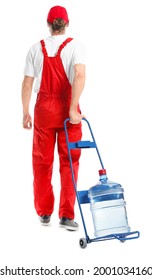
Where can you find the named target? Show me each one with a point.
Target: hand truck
(82, 196)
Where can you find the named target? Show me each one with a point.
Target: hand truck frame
(82, 196)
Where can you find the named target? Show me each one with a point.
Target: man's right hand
(75, 117)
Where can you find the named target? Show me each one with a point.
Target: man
(58, 64)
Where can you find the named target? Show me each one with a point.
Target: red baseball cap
(57, 12)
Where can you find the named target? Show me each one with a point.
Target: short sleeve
(29, 65)
(79, 56)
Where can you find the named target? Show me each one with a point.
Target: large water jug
(108, 207)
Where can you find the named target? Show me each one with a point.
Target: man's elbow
(80, 73)
(27, 83)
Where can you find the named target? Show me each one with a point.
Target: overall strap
(43, 48)
(63, 45)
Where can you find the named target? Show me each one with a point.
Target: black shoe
(68, 224)
(45, 219)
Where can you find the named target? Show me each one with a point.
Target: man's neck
(58, 33)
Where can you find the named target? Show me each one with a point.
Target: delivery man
(58, 64)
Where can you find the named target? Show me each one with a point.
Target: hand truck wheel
(83, 242)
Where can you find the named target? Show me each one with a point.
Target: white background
(116, 101)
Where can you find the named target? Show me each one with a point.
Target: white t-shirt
(73, 53)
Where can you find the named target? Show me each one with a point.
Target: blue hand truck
(82, 196)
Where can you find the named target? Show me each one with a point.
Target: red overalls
(51, 109)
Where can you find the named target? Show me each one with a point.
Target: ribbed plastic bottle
(108, 207)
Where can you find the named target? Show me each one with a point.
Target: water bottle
(108, 207)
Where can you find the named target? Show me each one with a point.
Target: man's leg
(67, 195)
(43, 157)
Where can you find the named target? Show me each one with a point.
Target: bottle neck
(103, 178)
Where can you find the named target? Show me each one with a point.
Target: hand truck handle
(82, 144)
(68, 119)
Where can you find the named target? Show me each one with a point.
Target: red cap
(102, 172)
(57, 12)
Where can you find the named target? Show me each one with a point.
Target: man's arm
(77, 88)
(27, 85)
